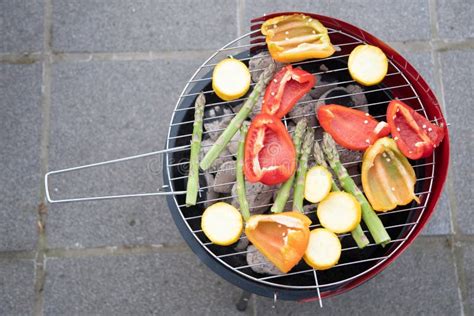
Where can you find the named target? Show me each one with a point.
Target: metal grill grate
(355, 264)
(302, 276)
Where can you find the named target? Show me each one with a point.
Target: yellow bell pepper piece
(297, 37)
(388, 179)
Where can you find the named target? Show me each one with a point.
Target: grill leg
(243, 301)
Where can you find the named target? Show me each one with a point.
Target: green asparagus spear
(284, 191)
(373, 222)
(241, 193)
(193, 177)
(302, 168)
(358, 234)
(360, 237)
(236, 122)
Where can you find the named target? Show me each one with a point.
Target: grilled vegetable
(193, 177)
(368, 65)
(270, 156)
(222, 224)
(339, 212)
(388, 178)
(317, 184)
(324, 249)
(230, 79)
(373, 222)
(352, 129)
(286, 88)
(297, 37)
(358, 234)
(301, 172)
(416, 136)
(237, 121)
(244, 205)
(284, 191)
(320, 161)
(282, 238)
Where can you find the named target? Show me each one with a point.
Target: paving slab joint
(21, 59)
(440, 45)
(40, 273)
(116, 250)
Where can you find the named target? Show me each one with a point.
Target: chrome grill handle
(165, 188)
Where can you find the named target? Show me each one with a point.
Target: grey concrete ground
(85, 81)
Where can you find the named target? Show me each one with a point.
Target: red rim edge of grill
(433, 110)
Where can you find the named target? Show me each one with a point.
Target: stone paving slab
(20, 133)
(143, 25)
(468, 265)
(384, 19)
(139, 221)
(16, 287)
(159, 284)
(21, 25)
(407, 287)
(458, 87)
(455, 19)
(440, 222)
(108, 110)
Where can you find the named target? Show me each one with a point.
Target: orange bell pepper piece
(388, 178)
(296, 37)
(282, 237)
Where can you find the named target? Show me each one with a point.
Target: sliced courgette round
(318, 183)
(339, 212)
(230, 79)
(222, 224)
(324, 249)
(368, 65)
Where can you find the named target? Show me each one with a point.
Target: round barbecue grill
(355, 265)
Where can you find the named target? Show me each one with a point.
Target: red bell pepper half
(269, 155)
(350, 128)
(416, 136)
(285, 89)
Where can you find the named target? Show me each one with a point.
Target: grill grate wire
(237, 47)
(245, 47)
